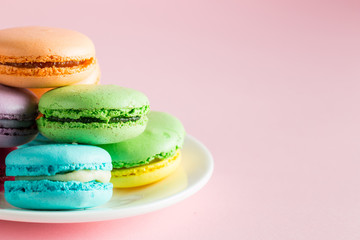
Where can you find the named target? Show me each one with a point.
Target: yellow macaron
(149, 157)
(145, 174)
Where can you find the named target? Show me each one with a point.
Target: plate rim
(21, 215)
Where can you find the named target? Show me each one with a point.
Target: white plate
(195, 171)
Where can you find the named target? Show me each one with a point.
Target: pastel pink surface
(271, 87)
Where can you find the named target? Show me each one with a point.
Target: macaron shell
(92, 97)
(55, 195)
(145, 174)
(34, 42)
(17, 103)
(56, 158)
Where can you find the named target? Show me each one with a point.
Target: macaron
(18, 111)
(94, 78)
(92, 114)
(44, 57)
(3, 153)
(58, 176)
(149, 157)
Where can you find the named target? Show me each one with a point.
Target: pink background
(271, 87)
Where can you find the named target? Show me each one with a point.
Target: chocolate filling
(48, 64)
(91, 120)
(19, 131)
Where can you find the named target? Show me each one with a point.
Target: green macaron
(150, 156)
(92, 114)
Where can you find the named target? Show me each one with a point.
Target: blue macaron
(58, 176)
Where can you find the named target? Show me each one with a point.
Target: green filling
(45, 123)
(159, 156)
(91, 119)
(104, 115)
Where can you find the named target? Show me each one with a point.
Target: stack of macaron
(92, 137)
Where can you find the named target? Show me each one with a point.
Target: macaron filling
(90, 119)
(84, 63)
(11, 127)
(80, 176)
(32, 68)
(106, 116)
(18, 131)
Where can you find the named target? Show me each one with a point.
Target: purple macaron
(18, 111)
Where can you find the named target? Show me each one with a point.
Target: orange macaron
(44, 57)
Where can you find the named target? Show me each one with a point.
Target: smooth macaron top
(82, 97)
(44, 44)
(46, 160)
(164, 134)
(17, 103)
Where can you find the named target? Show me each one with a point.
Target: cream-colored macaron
(44, 57)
